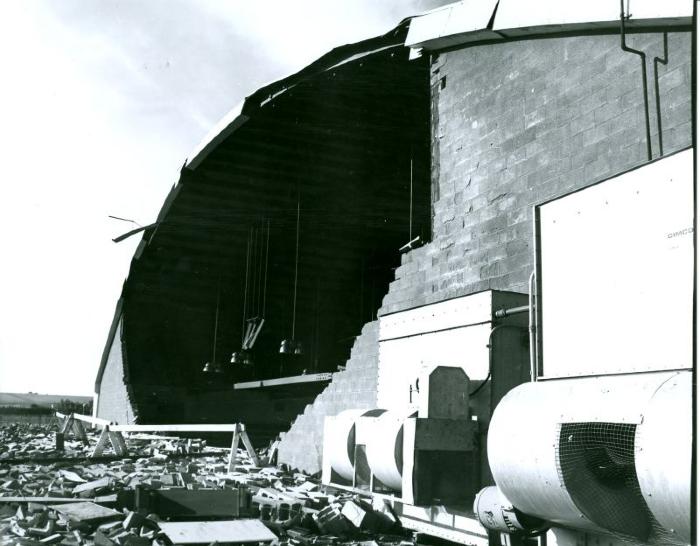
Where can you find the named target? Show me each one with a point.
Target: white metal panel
(457, 18)
(617, 273)
(473, 309)
(402, 361)
(513, 14)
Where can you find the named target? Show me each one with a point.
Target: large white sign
(617, 273)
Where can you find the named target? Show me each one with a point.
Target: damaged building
(390, 174)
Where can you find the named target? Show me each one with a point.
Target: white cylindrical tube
(528, 442)
(341, 442)
(385, 448)
(663, 452)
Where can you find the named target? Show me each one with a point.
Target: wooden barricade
(112, 433)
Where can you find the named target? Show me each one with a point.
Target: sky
(101, 102)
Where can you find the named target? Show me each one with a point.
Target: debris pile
(170, 491)
(34, 441)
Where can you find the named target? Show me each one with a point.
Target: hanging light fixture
(212, 368)
(238, 358)
(250, 327)
(291, 346)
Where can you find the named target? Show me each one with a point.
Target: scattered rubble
(170, 491)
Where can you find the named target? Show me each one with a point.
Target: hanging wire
(296, 269)
(216, 322)
(245, 290)
(410, 205)
(267, 252)
(260, 271)
(253, 277)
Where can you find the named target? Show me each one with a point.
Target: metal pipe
(489, 345)
(657, 61)
(645, 89)
(503, 313)
(410, 205)
(532, 328)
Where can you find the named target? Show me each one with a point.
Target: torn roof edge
(451, 25)
(471, 21)
(334, 58)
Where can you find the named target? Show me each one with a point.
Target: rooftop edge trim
(483, 20)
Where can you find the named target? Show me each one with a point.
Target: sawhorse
(70, 424)
(112, 433)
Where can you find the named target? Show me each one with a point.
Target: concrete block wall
(513, 124)
(355, 387)
(114, 402)
(518, 123)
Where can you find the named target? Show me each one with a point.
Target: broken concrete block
(132, 520)
(355, 514)
(85, 511)
(52, 539)
(134, 540)
(93, 486)
(101, 539)
(70, 476)
(46, 530)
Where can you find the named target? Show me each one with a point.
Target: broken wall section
(518, 123)
(355, 387)
(114, 402)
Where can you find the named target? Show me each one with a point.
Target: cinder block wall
(512, 125)
(355, 387)
(515, 124)
(113, 402)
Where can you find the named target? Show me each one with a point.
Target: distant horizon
(32, 393)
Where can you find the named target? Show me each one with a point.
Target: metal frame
(306, 378)
(537, 297)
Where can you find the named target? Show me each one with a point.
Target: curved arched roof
(266, 140)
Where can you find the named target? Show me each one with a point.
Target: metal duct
(497, 513)
(577, 452)
(385, 448)
(341, 443)
(663, 449)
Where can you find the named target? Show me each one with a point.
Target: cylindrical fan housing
(570, 451)
(341, 441)
(663, 451)
(385, 448)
